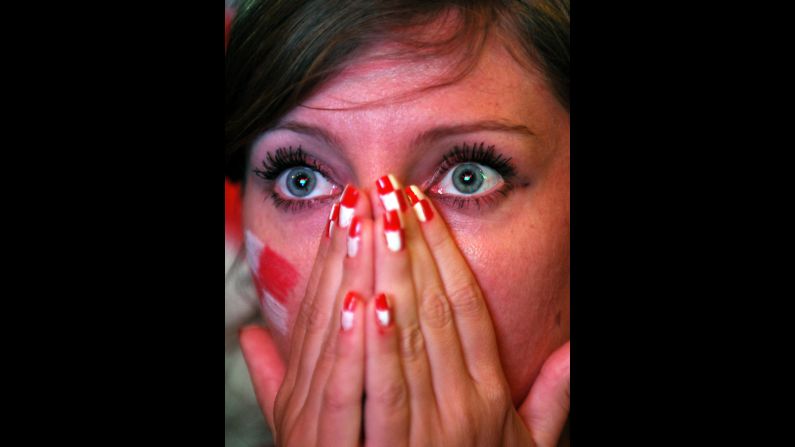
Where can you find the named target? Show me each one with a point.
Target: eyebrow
(440, 132)
(425, 138)
(312, 131)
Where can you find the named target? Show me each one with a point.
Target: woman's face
(372, 120)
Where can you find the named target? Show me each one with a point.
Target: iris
(468, 178)
(301, 181)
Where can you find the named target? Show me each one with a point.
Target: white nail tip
(417, 192)
(353, 246)
(346, 216)
(420, 212)
(346, 320)
(394, 240)
(383, 317)
(390, 201)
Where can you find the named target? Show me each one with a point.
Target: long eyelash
(477, 153)
(285, 158)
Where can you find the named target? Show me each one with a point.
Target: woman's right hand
(318, 395)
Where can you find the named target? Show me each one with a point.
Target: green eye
(467, 178)
(301, 181)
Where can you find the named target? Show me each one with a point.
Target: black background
(116, 205)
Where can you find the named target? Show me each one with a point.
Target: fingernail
(347, 205)
(348, 310)
(333, 219)
(382, 312)
(393, 230)
(354, 236)
(390, 193)
(420, 203)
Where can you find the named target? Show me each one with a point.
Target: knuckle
(496, 398)
(466, 299)
(335, 400)
(412, 343)
(434, 309)
(391, 395)
(316, 318)
(327, 356)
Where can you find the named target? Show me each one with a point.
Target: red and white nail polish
(382, 312)
(354, 236)
(393, 230)
(389, 191)
(347, 205)
(333, 218)
(348, 310)
(420, 203)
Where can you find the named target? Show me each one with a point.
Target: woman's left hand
(433, 371)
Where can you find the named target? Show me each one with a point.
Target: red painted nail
(393, 230)
(420, 203)
(347, 205)
(413, 199)
(333, 218)
(348, 309)
(390, 193)
(382, 311)
(386, 184)
(424, 210)
(354, 236)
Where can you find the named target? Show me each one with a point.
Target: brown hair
(280, 51)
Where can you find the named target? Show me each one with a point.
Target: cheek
(524, 279)
(274, 280)
(280, 257)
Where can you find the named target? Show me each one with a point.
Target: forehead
(387, 95)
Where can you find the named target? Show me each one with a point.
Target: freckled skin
(518, 248)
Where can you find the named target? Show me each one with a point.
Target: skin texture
(517, 247)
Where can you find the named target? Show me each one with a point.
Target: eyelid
(281, 184)
(493, 182)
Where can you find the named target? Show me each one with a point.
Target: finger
(306, 309)
(448, 369)
(394, 277)
(321, 314)
(341, 409)
(471, 316)
(357, 277)
(546, 408)
(265, 367)
(386, 410)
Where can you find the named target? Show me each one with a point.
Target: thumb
(265, 366)
(547, 405)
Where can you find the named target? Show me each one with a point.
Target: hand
(434, 375)
(317, 398)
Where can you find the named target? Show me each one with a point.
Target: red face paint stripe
(276, 275)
